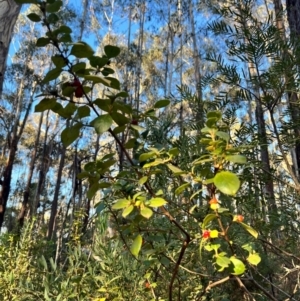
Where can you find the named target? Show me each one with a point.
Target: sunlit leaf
(157, 202)
(136, 246)
(146, 212)
(254, 259)
(236, 159)
(252, 231)
(227, 182)
(238, 266)
(120, 204)
(127, 211)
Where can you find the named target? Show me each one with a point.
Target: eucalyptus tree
(9, 11)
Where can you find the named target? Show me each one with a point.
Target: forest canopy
(150, 150)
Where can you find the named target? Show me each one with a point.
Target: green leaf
(127, 210)
(157, 202)
(182, 188)
(223, 262)
(254, 259)
(83, 111)
(119, 118)
(58, 61)
(162, 103)
(208, 218)
(136, 246)
(52, 74)
(223, 135)
(41, 42)
(52, 18)
(211, 122)
(143, 180)
(114, 83)
(92, 191)
(69, 135)
(238, 266)
(79, 67)
(236, 159)
(227, 182)
(173, 151)
(146, 212)
(98, 62)
(45, 104)
(130, 143)
(120, 204)
(137, 127)
(154, 163)
(253, 232)
(65, 29)
(34, 17)
(102, 123)
(175, 169)
(146, 156)
(82, 50)
(214, 114)
(54, 7)
(111, 51)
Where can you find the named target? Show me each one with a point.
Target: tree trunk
(26, 193)
(9, 12)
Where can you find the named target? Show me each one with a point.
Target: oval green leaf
(252, 231)
(227, 182)
(127, 210)
(146, 212)
(157, 202)
(102, 123)
(238, 266)
(136, 246)
(162, 103)
(111, 51)
(120, 204)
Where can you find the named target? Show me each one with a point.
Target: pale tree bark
(9, 12)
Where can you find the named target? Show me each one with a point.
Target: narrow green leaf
(157, 202)
(137, 127)
(162, 103)
(52, 74)
(175, 169)
(208, 218)
(146, 156)
(146, 212)
(181, 188)
(253, 232)
(227, 182)
(136, 246)
(154, 163)
(102, 123)
(92, 191)
(236, 159)
(127, 210)
(143, 180)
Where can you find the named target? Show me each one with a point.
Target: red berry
(79, 90)
(206, 234)
(134, 122)
(213, 201)
(238, 218)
